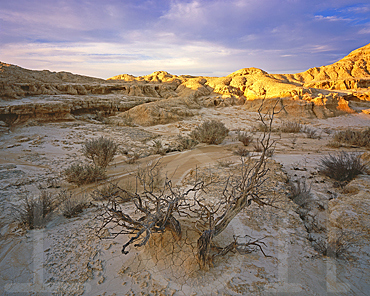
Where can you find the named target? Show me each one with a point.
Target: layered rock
(318, 92)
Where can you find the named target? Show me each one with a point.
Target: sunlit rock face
(321, 92)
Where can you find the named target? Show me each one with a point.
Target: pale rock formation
(318, 92)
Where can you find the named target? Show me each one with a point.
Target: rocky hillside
(162, 97)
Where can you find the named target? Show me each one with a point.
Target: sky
(103, 38)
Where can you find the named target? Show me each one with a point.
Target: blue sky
(196, 37)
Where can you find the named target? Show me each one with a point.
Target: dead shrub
(290, 127)
(101, 151)
(185, 143)
(32, 213)
(336, 246)
(150, 175)
(210, 132)
(342, 167)
(353, 138)
(244, 138)
(84, 174)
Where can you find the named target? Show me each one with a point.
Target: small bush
(261, 128)
(355, 138)
(158, 147)
(101, 151)
(290, 127)
(132, 158)
(72, 205)
(342, 167)
(84, 174)
(33, 211)
(210, 132)
(311, 133)
(185, 143)
(242, 152)
(244, 138)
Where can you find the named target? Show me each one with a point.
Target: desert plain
(46, 117)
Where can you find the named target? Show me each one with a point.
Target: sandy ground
(67, 258)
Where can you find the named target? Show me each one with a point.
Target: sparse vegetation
(101, 151)
(157, 208)
(84, 174)
(334, 144)
(32, 213)
(290, 127)
(342, 167)
(158, 147)
(353, 138)
(224, 163)
(241, 151)
(150, 175)
(210, 132)
(335, 246)
(244, 138)
(185, 143)
(112, 190)
(132, 158)
(311, 133)
(72, 205)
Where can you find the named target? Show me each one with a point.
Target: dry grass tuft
(353, 138)
(290, 127)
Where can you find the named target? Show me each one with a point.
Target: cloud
(105, 38)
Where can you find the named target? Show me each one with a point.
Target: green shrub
(84, 174)
(101, 151)
(342, 167)
(356, 138)
(210, 132)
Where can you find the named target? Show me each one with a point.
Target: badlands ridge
(161, 98)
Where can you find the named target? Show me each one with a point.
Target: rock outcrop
(162, 97)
